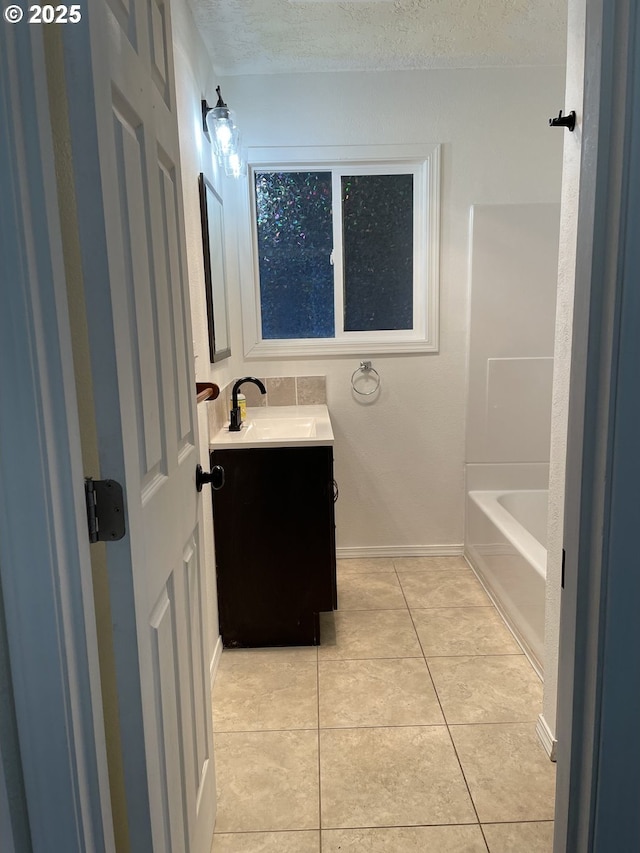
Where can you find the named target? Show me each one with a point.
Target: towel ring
(365, 368)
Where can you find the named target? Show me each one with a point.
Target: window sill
(313, 348)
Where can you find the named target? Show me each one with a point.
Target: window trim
(424, 162)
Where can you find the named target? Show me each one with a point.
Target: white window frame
(423, 161)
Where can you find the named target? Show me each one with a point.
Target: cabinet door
(275, 551)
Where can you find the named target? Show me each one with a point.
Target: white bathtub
(506, 545)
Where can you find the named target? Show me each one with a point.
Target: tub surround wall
(514, 260)
(513, 273)
(515, 475)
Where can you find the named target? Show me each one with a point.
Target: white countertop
(278, 426)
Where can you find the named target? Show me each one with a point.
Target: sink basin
(266, 428)
(278, 426)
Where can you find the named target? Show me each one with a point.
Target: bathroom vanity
(274, 527)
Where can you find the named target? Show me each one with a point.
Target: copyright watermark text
(13, 14)
(44, 14)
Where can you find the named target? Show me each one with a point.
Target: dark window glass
(295, 240)
(377, 224)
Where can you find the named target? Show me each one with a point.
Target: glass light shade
(223, 131)
(234, 165)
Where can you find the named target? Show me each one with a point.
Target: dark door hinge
(564, 556)
(105, 510)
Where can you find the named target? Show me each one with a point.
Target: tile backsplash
(281, 391)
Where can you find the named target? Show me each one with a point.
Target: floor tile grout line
(265, 731)
(263, 831)
(401, 826)
(437, 695)
(372, 609)
(406, 607)
(424, 657)
(453, 606)
(378, 826)
(385, 826)
(480, 655)
(379, 726)
(471, 800)
(484, 838)
(421, 655)
(497, 723)
(452, 570)
(425, 725)
(412, 825)
(427, 825)
(500, 655)
(391, 657)
(514, 822)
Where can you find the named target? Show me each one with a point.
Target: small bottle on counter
(242, 405)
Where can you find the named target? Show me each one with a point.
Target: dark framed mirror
(211, 215)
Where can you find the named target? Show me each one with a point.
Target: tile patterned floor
(411, 728)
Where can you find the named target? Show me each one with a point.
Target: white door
(123, 127)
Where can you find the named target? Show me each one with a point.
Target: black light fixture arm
(207, 109)
(220, 103)
(568, 121)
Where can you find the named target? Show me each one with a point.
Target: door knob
(215, 477)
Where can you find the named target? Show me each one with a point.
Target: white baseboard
(215, 660)
(401, 551)
(546, 738)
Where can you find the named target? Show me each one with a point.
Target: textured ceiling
(281, 36)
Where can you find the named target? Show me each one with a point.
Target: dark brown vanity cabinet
(275, 544)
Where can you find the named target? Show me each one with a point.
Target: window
(345, 251)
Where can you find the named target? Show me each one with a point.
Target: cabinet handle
(336, 491)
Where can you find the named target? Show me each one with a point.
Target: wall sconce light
(220, 127)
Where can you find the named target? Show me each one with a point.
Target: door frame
(45, 566)
(598, 774)
(7, 833)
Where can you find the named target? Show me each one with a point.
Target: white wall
(194, 80)
(400, 458)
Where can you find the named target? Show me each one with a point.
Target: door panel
(178, 310)
(194, 694)
(130, 205)
(163, 626)
(137, 250)
(124, 11)
(160, 48)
